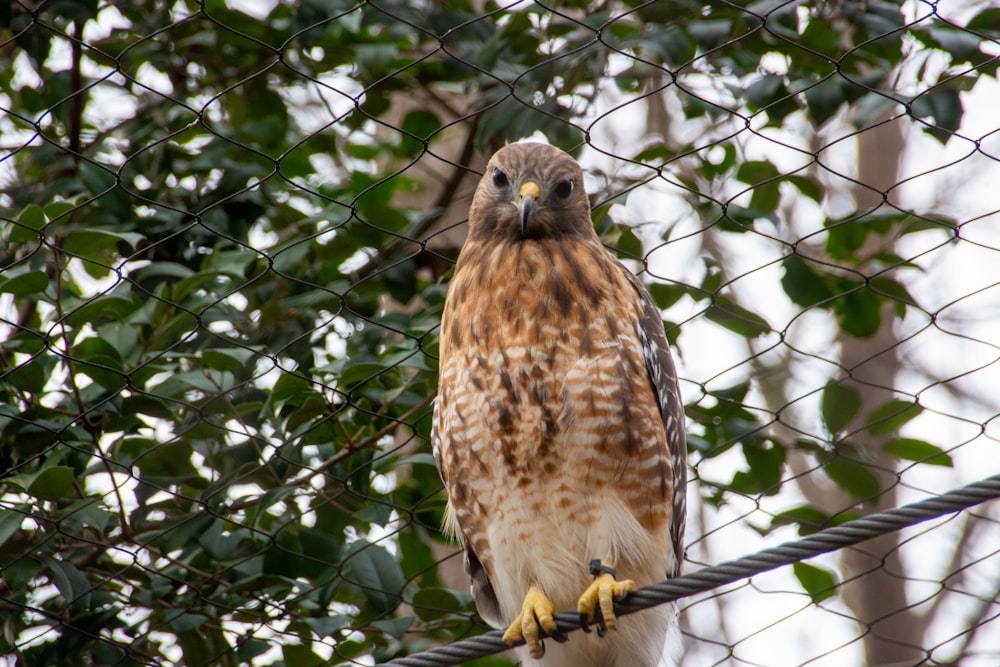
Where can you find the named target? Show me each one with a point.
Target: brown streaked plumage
(558, 427)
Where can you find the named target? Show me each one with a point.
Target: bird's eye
(564, 189)
(499, 178)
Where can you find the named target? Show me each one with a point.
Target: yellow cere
(530, 188)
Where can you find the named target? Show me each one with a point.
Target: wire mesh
(228, 229)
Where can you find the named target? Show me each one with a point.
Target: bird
(558, 425)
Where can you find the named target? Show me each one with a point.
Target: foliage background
(227, 232)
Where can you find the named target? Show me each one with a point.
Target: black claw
(541, 645)
(602, 629)
(585, 622)
(557, 634)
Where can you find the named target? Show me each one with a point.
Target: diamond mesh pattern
(227, 233)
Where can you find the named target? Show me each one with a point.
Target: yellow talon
(536, 617)
(600, 596)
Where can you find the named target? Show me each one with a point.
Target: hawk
(558, 425)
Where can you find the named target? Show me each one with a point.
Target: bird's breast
(532, 294)
(535, 342)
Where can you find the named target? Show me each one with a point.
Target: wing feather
(663, 378)
(482, 590)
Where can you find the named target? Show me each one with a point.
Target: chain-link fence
(228, 229)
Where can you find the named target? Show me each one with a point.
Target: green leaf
(204, 380)
(10, 522)
(738, 219)
(169, 270)
(986, 22)
(959, 43)
(845, 238)
(940, 223)
(823, 37)
(357, 374)
(187, 622)
(89, 512)
(233, 263)
(766, 197)
(323, 550)
(726, 313)
(665, 295)
(291, 388)
(807, 186)
(890, 417)
(766, 463)
(76, 10)
(839, 405)
(285, 557)
(301, 656)
(31, 376)
(394, 627)
(31, 220)
(770, 94)
(100, 361)
(377, 573)
(895, 291)
(807, 518)
(98, 244)
(19, 573)
(72, 584)
(626, 242)
(825, 97)
(418, 126)
(943, 104)
(858, 312)
(754, 172)
(206, 646)
(102, 308)
(852, 476)
(433, 603)
(328, 626)
(58, 209)
(53, 483)
(229, 358)
(26, 284)
(183, 531)
(654, 154)
(818, 582)
(144, 404)
(912, 449)
(713, 278)
(802, 284)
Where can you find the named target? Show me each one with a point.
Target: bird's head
(530, 191)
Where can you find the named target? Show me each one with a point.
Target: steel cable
(824, 541)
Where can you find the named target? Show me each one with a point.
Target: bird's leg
(534, 622)
(597, 602)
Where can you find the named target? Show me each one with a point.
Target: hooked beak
(526, 207)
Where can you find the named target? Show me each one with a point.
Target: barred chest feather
(545, 338)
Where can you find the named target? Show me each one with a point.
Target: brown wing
(663, 377)
(480, 585)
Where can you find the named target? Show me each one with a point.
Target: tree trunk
(875, 588)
